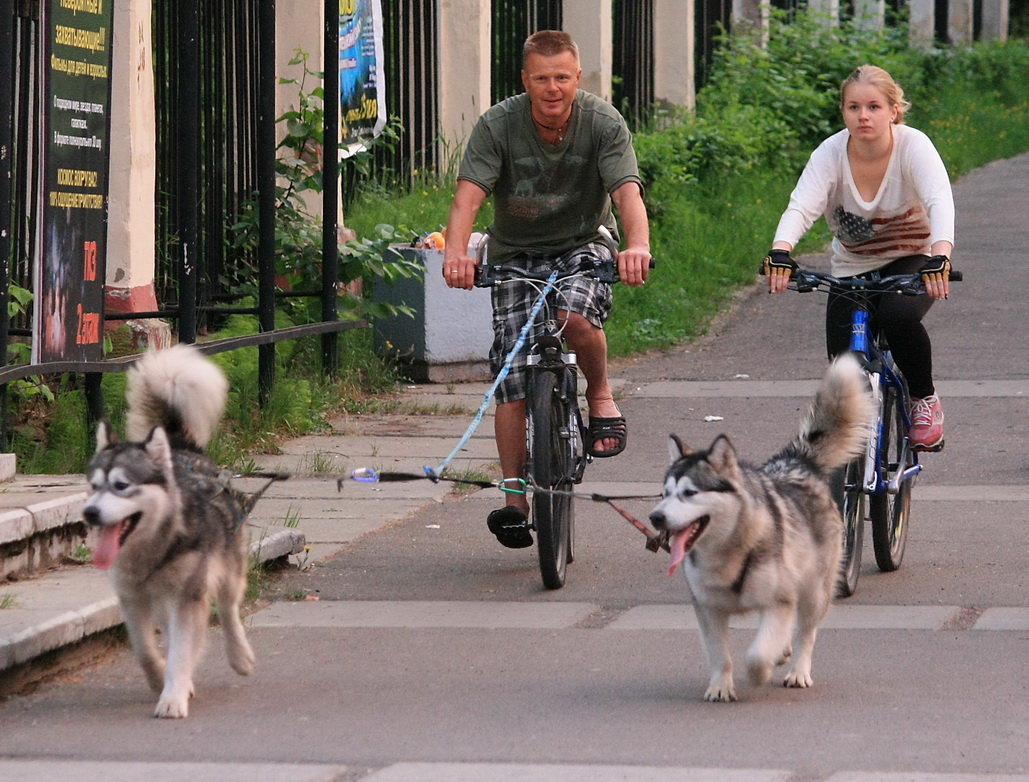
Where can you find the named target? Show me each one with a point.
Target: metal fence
(711, 20)
(223, 84)
(633, 62)
(411, 70)
(513, 21)
(18, 208)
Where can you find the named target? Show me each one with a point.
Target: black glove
(938, 264)
(778, 259)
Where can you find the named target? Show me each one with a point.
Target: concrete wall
(995, 17)
(131, 230)
(590, 23)
(959, 21)
(674, 46)
(464, 67)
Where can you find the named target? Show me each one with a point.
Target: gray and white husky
(170, 530)
(767, 538)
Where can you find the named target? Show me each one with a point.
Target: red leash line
(655, 540)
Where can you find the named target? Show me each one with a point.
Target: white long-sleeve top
(913, 209)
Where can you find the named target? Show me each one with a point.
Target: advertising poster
(362, 96)
(72, 235)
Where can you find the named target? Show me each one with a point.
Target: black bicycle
(555, 432)
(876, 486)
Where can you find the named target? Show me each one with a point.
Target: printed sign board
(362, 95)
(72, 237)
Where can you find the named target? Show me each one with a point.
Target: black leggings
(899, 318)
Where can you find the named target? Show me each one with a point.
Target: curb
(71, 626)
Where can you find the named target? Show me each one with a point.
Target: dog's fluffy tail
(178, 389)
(837, 426)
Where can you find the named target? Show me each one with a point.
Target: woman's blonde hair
(882, 81)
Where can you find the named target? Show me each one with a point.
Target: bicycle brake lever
(607, 271)
(484, 276)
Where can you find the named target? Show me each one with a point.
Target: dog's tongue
(677, 548)
(107, 547)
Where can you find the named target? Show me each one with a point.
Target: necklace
(561, 130)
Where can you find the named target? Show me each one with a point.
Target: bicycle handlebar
(806, 280)
(489, 274)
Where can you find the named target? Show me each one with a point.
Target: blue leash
(435, 474)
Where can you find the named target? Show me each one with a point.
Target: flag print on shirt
(906, 233)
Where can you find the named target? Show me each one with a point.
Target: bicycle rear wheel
(550, 468)
(889, 512)
(850, 496)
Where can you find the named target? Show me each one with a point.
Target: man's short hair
(549, 43)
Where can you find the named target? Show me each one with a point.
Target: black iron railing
(513, 21)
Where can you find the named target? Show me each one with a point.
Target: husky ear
(676, 450)
(722, 455)
(105, 435)
(158, 448)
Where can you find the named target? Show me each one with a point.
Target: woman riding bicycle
(886, 196)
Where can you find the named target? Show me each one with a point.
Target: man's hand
(778, 266)
(936, 276)
(459, 270)
(633, 266)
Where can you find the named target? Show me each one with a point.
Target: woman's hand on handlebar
(936, 276)
(778, 266)
(459, 270)
(634, 266)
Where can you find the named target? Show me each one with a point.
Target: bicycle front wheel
(889, 512)
(850, 496)
(550, 469)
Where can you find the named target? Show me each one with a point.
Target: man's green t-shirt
(549, 199)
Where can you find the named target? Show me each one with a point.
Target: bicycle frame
(882, 374)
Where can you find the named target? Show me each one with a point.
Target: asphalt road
(431, 653)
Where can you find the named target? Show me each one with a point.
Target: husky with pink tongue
(170, 530)
(768, 538)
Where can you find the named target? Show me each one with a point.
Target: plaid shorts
(512, 303)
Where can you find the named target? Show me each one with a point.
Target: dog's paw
(759, 670)
(241, 658)
(786, 656)
(801, 679)
(172, 708)
(720, 691)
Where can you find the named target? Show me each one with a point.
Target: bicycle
(556, 457)
(876, 486)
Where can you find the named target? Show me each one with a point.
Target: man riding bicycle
(554, 159)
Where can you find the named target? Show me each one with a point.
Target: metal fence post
(266, 195)
(330, 188)
(188, 191)
(6, 153)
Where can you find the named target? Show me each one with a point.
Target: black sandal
(511, 526)
(606, 428)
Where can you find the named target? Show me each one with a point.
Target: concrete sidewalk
(303, 519)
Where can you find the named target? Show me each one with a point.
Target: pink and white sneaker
(926, 432)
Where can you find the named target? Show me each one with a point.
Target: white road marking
(422, 614)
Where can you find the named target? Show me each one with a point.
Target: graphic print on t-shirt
(852, 227)
(889, 237)
(541, 189)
